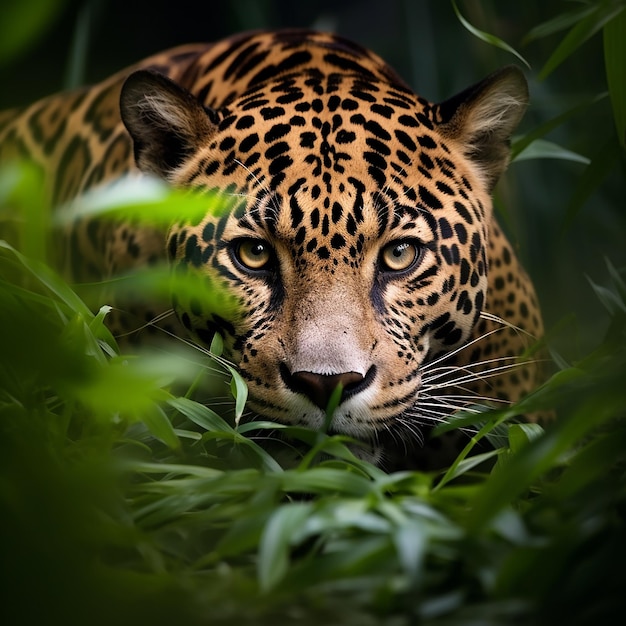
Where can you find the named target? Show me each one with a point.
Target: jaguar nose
(319, 387)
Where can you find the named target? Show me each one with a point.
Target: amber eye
(398, 256)
(253, 253)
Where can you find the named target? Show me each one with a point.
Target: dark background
(430, 48)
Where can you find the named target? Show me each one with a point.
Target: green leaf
(49, 279)
(239, 389)
(171, 469)
(521, 434)
(410, 539)
(333, 403)
(201, 415)
(217, 345)
(558, 23)
(191, 285)
(616, 279)
(160, 426)
(462, 464)
(145, 199)
(583, 30)
(92, 346)
(609, 299)
(559, 361)
(107, 342)
(254, 425)
(280, 533)
(509, 524)
(465, 465)
(542, 149)
(217, 427)
(324, 479)
(488, 38)
(615, 63)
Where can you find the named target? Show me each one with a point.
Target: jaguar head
(355, 235)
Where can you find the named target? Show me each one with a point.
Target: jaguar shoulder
(361, 246)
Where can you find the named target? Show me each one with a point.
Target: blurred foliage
(23, 22)
(124, 500)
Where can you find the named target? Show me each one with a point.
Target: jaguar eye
(398, 256)
(254, 254)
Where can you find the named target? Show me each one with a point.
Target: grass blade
(583, 30)
(543, 149)
(279, 535)
(615, 63)
(492, 40)
(558, 23)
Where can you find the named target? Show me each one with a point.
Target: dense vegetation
(125, 500)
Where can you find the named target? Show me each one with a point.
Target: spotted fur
(359, 240)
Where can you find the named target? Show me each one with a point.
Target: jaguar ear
(166, 122)
(483, 117)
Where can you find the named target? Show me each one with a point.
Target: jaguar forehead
(317, 170)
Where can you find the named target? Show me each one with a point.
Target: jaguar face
(355, 240)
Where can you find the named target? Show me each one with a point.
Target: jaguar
(356, 233)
